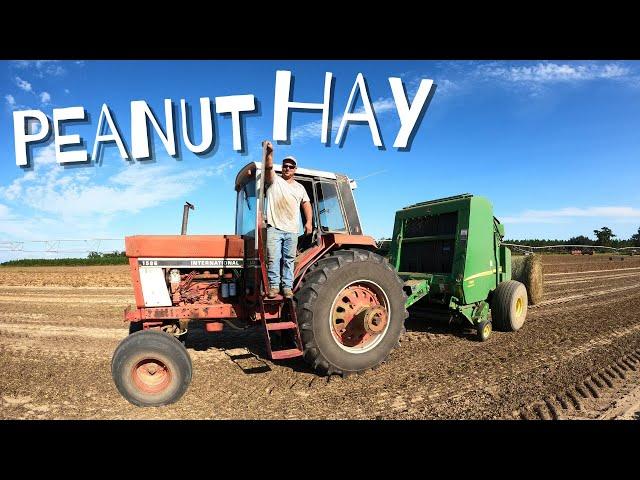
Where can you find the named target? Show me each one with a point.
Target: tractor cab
(333, 209)
(332, 201)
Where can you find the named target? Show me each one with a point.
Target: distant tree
(580, 240)
(94, 255)
(604, 236)
(635, 238)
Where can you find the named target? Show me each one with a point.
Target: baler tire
(509, 306)
(483, 330)
(165, 355)
(320, 288)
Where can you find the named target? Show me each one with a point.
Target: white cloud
(544, 73)
(462, 77)
(382, 105)
(43, 160)
(41, 227)
(309, 130)
(446, 87)
(313, 130)
(41, 68)
(45, 98)
(12, 225)
(54, 201)
(562, 215)
(4, 212)
(23, 84)
(13, 104)
(77, 193)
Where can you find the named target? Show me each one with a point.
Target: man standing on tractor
(284, 198)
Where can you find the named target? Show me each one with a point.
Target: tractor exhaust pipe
(185, 217)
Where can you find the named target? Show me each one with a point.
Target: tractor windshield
(246, 215)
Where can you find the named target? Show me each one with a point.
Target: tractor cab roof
(249, 170)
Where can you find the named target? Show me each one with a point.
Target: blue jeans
(281, 253)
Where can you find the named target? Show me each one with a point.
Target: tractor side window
(246, 216)
(329, 210)
(308, 186)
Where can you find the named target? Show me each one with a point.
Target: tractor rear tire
(151, 368)
(509, 306)
(346, 286)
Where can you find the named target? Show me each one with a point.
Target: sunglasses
(291, 167)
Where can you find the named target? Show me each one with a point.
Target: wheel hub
(519, 307)
(374, 319)
(486, 330)
(151, 375)
(358, 317)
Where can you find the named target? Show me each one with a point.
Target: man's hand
(308, 228)
(267, 147)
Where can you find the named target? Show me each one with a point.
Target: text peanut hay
(26, 131)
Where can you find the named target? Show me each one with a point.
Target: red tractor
(346, 316)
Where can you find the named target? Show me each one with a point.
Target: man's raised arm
(267, 152)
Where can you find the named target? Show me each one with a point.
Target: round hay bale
(517, 265)
(528, 270)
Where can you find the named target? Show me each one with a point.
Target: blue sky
(554, 144)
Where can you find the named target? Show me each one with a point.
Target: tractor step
(282, 354)
(281, 326)
(277, 299)
(289, 323)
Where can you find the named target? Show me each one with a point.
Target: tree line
(604, 237)
(93, 258)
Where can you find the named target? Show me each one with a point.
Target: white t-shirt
(283, 204)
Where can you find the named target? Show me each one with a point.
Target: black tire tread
(311, 289)
(501, 305)
(154, 340)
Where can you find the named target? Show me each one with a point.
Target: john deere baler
(449, 254)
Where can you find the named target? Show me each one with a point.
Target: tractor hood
(185, 246)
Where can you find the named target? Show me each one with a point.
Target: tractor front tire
(351, 312)
(151, 368)
(509, 306)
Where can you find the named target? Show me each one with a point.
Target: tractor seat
(305, 242)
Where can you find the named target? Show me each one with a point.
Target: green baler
(449, 254)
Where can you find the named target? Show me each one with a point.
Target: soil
(577, 356)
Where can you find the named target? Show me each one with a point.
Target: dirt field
(578, 356)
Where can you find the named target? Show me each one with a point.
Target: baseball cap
(290, 160)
